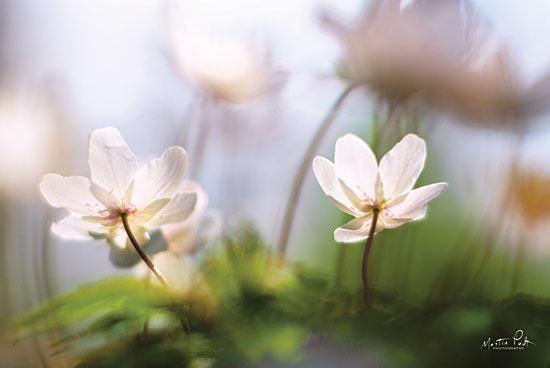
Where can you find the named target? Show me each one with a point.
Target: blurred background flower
(221, 68)
(437, 52)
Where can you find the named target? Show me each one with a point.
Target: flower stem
(290, 210)
(373, 142)
(366, 255)
(202, 137)
(146, 259)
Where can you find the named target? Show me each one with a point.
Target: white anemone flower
(149, 196)
(359, 186)
(227, 69)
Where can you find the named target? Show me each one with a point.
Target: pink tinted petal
(415, 200)
(356, 165)
(107, 198)
(378, 190)
(393, 222)
(325, 174)
(355, 201)
(357, 229)
(402, 165)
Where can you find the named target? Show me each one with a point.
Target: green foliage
(250, 308)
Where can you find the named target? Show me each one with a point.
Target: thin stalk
(290, 210)
(201, 141)
(146, 259)
(373, 141)
(152, 267)
(366, 255)
(340, 265)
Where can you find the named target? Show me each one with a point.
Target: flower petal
(75, 228)
(112, 163)
(415, 200)
(72, 193)
(393, 222)
(356, 165)
(108, 199)
(151, 210)
(178, 209)
(202, 197)
(378, 189)
(160, 178)
(196, 230)
(402, 165)
(325, 174)
(357, 229)
(355, 201)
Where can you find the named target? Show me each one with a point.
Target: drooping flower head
(150, 195)
(358, 185)
(398, 52)
(440, 53)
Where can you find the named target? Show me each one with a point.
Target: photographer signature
(517, 342)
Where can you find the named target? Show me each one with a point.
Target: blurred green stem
(366, 255)
(290, 210)
(146, 259)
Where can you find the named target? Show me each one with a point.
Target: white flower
(226, 69)
(150, 195)
(359, 186)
